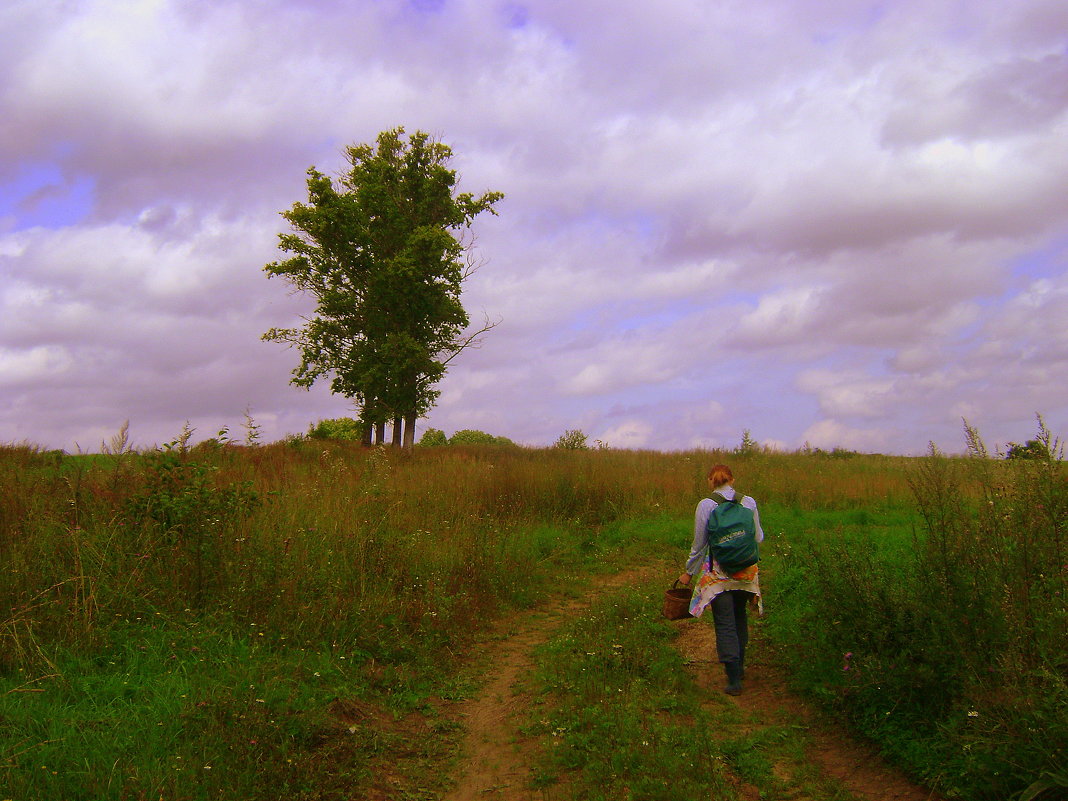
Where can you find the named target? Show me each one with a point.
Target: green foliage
(1032, 449)
(433, 438)
(470, 436)
(1048, 787)
(1043, 448)
(340, 428)
(943, 639)
(180, 495)
(253, 429)
(382, 251)
(573, 440)
(186, 503)
(748, 445)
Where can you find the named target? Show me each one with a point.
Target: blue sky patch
(516, 16)
(1046, 262)
(42, 196)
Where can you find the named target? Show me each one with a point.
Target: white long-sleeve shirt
(700, 526)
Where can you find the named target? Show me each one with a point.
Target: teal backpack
(732, 534)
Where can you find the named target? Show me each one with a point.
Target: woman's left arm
(700, 539)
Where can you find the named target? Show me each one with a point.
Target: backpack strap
(719, 498)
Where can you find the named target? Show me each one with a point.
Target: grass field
(277, 621)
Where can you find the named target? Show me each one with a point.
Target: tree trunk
(396, 432)
(409, 432)
(380, 433)
(368, 433)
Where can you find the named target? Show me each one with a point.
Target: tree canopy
(384, 250)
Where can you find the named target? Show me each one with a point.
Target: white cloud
(815, 217)
(831, 434)
(780, 316)
(847, 394)
(631, 434)
(18, 368)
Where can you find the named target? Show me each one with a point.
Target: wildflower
(973, 714)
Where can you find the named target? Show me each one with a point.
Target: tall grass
(945, 637)
(313, 592)
(151, 601)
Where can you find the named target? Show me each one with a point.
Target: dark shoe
(734, 678)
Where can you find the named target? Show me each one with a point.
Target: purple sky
(837, 222)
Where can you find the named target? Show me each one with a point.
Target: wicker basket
(677, 602)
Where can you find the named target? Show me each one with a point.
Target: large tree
(384, 250)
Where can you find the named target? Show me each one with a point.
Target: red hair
(720, 475)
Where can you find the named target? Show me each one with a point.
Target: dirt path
(495, 752)
(495, 755)
(856, 765)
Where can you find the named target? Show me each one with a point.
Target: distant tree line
(346, 428)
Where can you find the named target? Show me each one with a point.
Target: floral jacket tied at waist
(713, 581)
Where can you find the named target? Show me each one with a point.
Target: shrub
(1032, 449)
(748, 445)
(572, 440)
(469, 436)
(343, 428)
(190, 507)
(433, 438)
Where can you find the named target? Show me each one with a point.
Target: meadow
(294, 619)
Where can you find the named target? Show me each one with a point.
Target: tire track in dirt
(855, 764)
(496, 756)
(495, 753)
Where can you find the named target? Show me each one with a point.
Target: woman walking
(726, 530)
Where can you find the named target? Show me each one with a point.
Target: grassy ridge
(169, 619)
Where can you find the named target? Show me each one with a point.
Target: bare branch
(473, 340)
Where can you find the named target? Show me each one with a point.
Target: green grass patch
(176, 711)
(619, 716)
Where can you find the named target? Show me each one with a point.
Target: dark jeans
(732, 625)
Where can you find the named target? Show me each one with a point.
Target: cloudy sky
(837, 222)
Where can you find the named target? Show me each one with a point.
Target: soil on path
(857, 765)
(496, 756)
